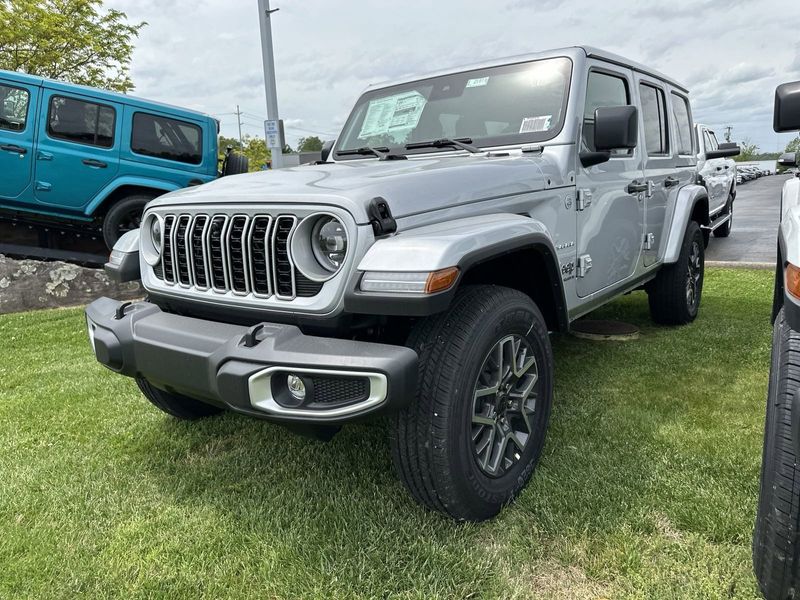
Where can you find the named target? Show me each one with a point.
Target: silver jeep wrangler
(459, 219)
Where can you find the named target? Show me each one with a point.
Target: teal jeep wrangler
(95, 158)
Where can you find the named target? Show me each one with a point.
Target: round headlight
(152, 238)
(329, 243)
(156, 234)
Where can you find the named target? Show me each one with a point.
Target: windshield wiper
(382, 152)
(463, 143)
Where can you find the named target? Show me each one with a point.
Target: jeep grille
(241, 254)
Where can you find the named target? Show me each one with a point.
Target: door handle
(636, 187)
(14, 149)
(44, 156)
(671, 181)
(97, 164)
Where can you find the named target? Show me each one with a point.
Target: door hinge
(651, 186)
(584, 199)
(584, 265)
(649, 240)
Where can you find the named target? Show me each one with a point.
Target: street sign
(274, 132)
(274, 140)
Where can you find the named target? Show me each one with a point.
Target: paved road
(755, 223)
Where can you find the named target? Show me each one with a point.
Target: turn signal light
(793, 280)
(441, 280)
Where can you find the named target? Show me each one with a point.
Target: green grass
(646, 489)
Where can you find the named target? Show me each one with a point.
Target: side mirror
(326, 150)
(725, 150)
(615, 128)
(788, 159)
(787, 107)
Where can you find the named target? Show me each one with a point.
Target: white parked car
(717, 173)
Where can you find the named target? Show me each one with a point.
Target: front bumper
(242, 368)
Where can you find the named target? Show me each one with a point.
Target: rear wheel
(471, 439)
(675, 293)
(777, 531)
(176, 405)
(124, 216)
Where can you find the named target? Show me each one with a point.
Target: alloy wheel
(504, 404)
(694, 272)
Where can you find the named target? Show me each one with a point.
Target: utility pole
(728, 130)
(239, 119)
(265, 20)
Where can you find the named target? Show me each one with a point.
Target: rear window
(680, 110)
(13, 108)
(654, 115)
(166, 138)
(81, 122)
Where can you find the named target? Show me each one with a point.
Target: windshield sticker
(393, 114)
(535, 124)
(480, 82)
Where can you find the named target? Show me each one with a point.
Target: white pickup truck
(717, 172)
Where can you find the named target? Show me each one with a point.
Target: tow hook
(250, 339)
(120, 312)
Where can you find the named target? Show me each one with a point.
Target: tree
(255, 149)
(71, 40)
(749, 151)
(794, 145)
(309, 144)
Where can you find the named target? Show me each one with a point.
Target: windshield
(511, 104)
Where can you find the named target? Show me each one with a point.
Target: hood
(409, 186)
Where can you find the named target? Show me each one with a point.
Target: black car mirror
(615, 128)
(789, 159)
(725, 150)
(787, 107)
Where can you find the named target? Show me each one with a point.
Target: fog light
(296, 387)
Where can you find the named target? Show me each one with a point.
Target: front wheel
(674, 295)
(470, 441)
(124, 216)
(777, 532)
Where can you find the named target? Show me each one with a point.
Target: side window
(602, 89)
(680, 111)
(654, 113)
(707, 141)
(81, 122)
(167, 138)
(714, 143)
(13, 108)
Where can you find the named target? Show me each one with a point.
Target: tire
(777, 530)
(235, 164)
(724, 231)
(123, 216)
(180, 407)
(672, 300)
(436, 441)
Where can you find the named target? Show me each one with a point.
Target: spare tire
(235, 164)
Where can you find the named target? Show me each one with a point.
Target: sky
(206, 54)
